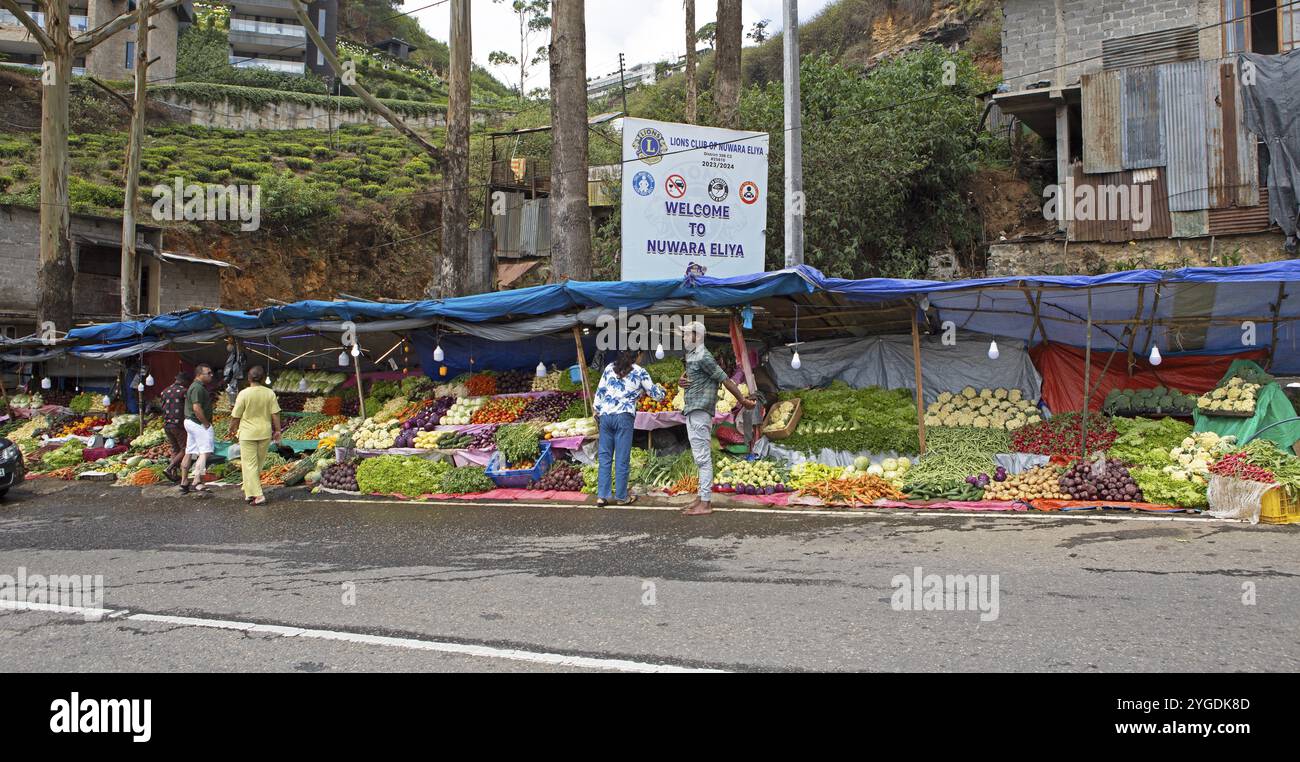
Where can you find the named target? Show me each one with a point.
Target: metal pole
(794, 200)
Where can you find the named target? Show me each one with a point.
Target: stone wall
(187, 284)
(1087, 258)
(287, 116)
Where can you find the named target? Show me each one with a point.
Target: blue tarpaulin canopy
(1198, 309)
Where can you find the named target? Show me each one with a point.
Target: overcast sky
(643, 30)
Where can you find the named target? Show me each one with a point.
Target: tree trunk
(454, 272)
(726, 79)
(55, 278)
(570, 215)
(692, 87)
(130, 274)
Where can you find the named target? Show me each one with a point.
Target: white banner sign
(692, 195)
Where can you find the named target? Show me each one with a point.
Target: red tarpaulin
(1062, 369)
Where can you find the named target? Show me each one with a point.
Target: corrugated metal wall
(1184, 120)
(1118, 228)
(1142, 129)
(1185, 113)
(1102, 117)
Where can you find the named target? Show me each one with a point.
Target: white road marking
(438, 646)
(861, 514)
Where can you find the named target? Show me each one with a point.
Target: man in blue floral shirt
(620, 388)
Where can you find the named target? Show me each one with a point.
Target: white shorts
(198, 439)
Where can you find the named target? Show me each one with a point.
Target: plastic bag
(1236, 498)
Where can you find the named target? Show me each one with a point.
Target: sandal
(630, 500)
(258, 501)
(601, 502)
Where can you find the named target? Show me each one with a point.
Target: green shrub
(84, 195)
(247, 169)
(294, 149)
(298, 163)
(19, 171)
(287, 200)
(370, 190)
(5, 182)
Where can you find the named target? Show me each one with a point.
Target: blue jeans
(615, 449)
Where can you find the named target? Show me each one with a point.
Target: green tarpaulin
(1271, 406)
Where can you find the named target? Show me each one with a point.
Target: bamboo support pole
(920, 400)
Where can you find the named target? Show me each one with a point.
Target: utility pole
(794, 198)
(622, 82)
(129, 265)
(455, 202)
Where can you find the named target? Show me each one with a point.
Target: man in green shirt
(200, 440)
(701, 381)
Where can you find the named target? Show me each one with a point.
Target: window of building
(1260, 26)
(130, 55)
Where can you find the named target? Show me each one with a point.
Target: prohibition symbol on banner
(748, 192)
(675, 185)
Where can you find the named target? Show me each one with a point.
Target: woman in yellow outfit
(255, 421)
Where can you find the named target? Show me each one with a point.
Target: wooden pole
(1087, 377)
(582, 368)
(361, 397)
(1277, 312)
(920, 399)
(1133, 335)
(129, 266)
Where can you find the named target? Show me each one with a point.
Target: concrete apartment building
(112, 59)
(1147, 92)
(266, 34)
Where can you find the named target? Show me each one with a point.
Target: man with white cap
(700, 382)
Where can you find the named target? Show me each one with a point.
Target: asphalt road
(191, 585)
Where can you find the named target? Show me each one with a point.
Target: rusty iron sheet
(1142, 129)
(1241, 219)
(1120, 228)
(1184, 114)
(1102, 149)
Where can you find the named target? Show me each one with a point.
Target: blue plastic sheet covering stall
(1162, 305)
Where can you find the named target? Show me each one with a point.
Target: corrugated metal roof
(1142, 130)
(1115, 228)
(1101, 106)
(1167, 46)
(1241, 219)
(1184, 112)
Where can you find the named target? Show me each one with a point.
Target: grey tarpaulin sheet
(1272, 102)
(886, 361)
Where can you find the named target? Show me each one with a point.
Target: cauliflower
(944, 397)
(980, 422)
(986, 394)
(1188, 442)
(969, 393)
(1000, 393)
(933, 420)
(1031, 420)
(1219, 394)
(1014, 395)
(965, 419)
(1244, 406)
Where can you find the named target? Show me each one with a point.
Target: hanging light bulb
(659, 352)
(45, 383)
(541, 370)
(148, 380)
(302, 384)
(107, 400)
(267, 381)
(356, 350)
(140, 387)
(1155, 358)
(343, 360)
(795, 362)
(437, 353)
(993, 350)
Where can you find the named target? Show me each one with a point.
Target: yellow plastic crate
(1277, 508)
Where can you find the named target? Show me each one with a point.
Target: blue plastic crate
(522, 478)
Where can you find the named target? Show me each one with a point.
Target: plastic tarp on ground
(1271, 407)
(1062, 369)
(887, 362)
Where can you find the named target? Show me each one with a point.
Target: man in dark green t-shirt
(200, 440)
